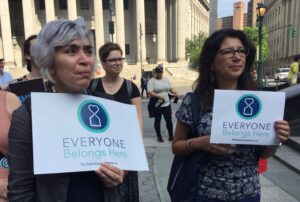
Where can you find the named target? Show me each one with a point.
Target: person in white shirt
(158, 88)
(5, 77)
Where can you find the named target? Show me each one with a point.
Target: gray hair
(54, 34)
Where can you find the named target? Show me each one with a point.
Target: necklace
(110, 85)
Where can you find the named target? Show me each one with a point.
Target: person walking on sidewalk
(158, 89)
(144, 82)
(228, 173)
(294, 71)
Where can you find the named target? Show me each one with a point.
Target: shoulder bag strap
(195, 113)
(129, 88)
(94, 84)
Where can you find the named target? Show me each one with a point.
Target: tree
(252, 33)
(193, 48)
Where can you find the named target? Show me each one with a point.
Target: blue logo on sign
(93, 116)
(248, 106)
(4, 162)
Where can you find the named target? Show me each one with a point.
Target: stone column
(198, 22)
(298, 27)
(72, 9)
(1, 45)
(120, 28)
(181, 30)
(6, 33)
(140, 28)
(295, 22)
(291, 42)
(50, 10)
(193, 20)
(28, 17)
(99, 30)
(285, 12)
(161, 31)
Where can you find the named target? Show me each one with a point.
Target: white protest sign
(246, 117)
(77, 132)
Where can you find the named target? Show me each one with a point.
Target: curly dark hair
(26, 48)
(204, 85)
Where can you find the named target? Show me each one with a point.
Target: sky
(225, 7)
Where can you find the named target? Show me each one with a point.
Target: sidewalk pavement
(153, 184)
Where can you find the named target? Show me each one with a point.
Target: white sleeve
(150, 85)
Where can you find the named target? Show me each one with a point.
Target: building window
(42, 4)
(84, 4)
(63, 4)
(105, 4)
(127, 49)
(125, 4)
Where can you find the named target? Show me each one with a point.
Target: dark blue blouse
(223, 177)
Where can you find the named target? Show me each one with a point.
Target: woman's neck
(58, 89)
(112, 78)
(34, 74)
(233, 85)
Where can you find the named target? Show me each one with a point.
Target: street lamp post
(141, 53)
(111, 26)
(261, 10)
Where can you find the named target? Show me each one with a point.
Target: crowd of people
(62, 54)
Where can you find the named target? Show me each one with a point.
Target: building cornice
(205, 4)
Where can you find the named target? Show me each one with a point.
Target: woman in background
(30, 65)
(113, 86)
(8, 103)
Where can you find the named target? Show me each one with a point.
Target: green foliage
(193, 48)
(252, 33)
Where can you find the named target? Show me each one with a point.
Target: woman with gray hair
(64, 54)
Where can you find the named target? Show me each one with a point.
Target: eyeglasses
(230, 52)
(115, 60)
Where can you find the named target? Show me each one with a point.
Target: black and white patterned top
(224, 177)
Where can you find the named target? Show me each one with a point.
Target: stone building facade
(213, 16)
(251, 14)
(154, 30)
(237, 21)
(282, 46)
(238, 15)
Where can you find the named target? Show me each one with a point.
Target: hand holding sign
(283, 130)
(219, 149)
(110, 175)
